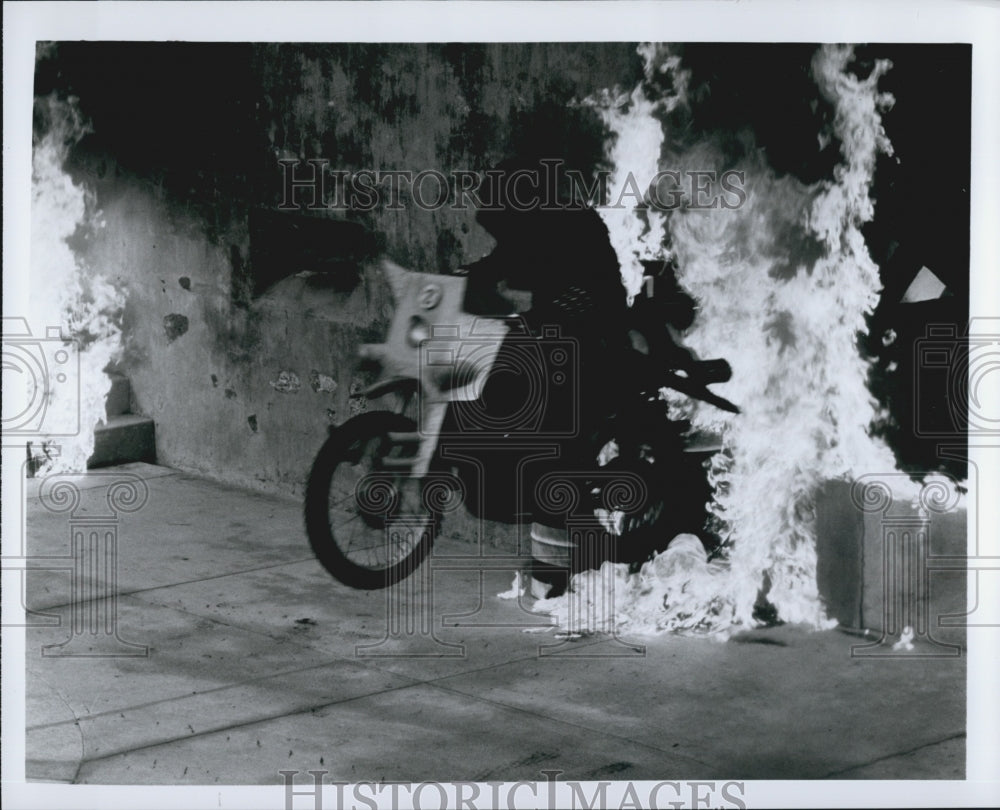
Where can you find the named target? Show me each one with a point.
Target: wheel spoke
(349, 497)
(364, 536)
(347, 522)
(350, 539)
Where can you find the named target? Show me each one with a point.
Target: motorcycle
(382, 481)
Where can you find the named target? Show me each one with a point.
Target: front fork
(430, 417)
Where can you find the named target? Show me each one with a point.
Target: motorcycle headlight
(418, 332)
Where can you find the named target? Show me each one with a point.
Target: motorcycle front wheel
(365, 513)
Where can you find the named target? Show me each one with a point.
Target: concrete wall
(242, 383)
(443, 107)
(242, 393)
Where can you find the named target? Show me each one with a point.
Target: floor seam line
(214, 620)
(401, 687)
(175, 584)
(833, 774)
(307, 710)
(570, 723)
(368, 662)
(211, 691)
(37, 498)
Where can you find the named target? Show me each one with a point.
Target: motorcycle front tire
(350, 443)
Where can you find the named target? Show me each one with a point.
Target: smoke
(783, 284)
(63, 290)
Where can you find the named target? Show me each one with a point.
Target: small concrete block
(839, 532)
(876, 570)
(123, 439)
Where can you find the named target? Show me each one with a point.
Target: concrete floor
(257, 663)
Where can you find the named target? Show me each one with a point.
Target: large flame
(783, 284)
(634, 154)
(67, 294)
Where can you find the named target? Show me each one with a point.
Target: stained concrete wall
(242, 393)
(242, 383)
(442, 107)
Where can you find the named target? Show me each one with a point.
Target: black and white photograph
(408, 404)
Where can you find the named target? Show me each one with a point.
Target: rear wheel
(366, 516)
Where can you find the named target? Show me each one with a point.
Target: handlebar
(712, 371)
(696, 389)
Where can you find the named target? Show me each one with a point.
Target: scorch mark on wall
(174, 325)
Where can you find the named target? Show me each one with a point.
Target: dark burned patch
(252, 422)
(750, 638)
(534, 758)
(608, 770)
(282, 243)
(234, 331)
(174, 325)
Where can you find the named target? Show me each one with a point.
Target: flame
(65, 293)
(783, 283)
(634, 153)
(790, 327)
